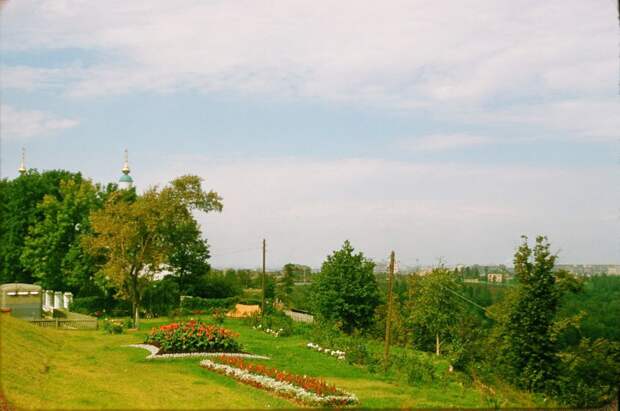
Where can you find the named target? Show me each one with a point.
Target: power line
(466, 299)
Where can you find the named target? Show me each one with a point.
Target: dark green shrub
(160, 297)
(88, 305)
(420, 370)
(274, 320)
(208, 304)
(100, 306)
(281, 323)
(590, 375)
(357, 353)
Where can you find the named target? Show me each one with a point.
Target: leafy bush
(252, 320)
(207, 304)
(218, 316)
(281, 322)
(590, 374)
(114, 326)
(217, 284)
(99, 305)
(419, 370)
(193, 336)
(357, 353)
(274, 320)
(160, 297)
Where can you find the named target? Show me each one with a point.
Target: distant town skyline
(436, 132)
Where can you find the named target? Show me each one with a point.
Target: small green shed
(24, 300)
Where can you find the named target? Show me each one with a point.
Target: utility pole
(388, 319)
(262, 308)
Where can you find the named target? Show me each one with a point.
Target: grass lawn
(47, 368)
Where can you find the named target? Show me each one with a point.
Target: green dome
(125, 178)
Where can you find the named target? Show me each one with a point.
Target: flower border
(341, 355)
(154, 353)
(279, 387)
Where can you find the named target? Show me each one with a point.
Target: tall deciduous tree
(346, 290)
(137, 239)
(18, 212)
(52, 250)
(433, 305)
(189, 261)
(526, 318)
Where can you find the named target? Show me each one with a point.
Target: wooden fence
(68, 324)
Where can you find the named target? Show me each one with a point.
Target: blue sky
(435, 131)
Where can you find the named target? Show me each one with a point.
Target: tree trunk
(437, 344)
(136, 315)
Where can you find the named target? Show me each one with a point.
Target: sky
(439, 130)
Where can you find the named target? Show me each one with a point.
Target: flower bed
(155, 353)
(275, 333)
(193, 336)
(308, 390)
(334, 353)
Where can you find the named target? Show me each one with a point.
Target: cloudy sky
(437, 129)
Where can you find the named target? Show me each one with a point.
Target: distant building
(22, 167)
(588, 270)
(125, 182)
(495, 277)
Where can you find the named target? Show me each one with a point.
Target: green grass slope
(48, 368)
(42, 368)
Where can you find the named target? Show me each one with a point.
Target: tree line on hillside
(530, 335)
(549, 332)
(106, 246)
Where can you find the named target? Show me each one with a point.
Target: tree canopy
(138, 239)
(526, 318)
(346, 290)
(433, 307)
(19, 199)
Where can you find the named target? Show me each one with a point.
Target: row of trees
(521, 338)
(66, 233)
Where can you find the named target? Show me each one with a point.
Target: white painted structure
(48, 300)
(57, 300)
(67, 300)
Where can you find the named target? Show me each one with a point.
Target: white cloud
(466, 213)
(23, 124)
(592, 119)
(440, 142)
(403, 50)
(475, 56)
(35, 78)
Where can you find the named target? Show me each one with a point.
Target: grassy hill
(41, 368)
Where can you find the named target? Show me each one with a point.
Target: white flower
(279, 386)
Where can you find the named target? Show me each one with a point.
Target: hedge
(198, 303)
